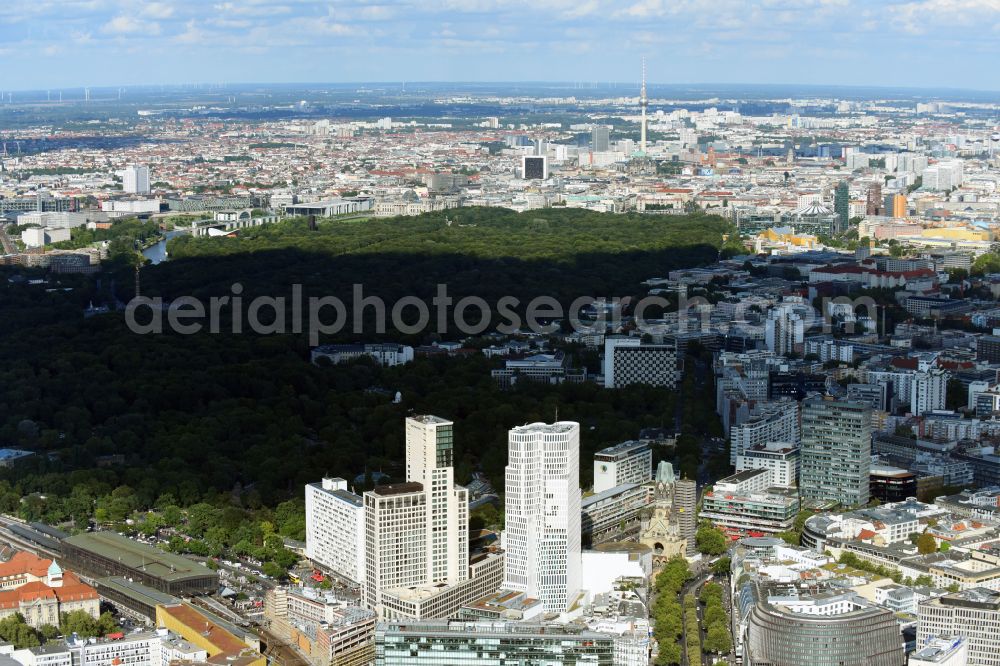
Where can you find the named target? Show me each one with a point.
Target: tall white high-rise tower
(429, 461)
(643, 103)
(542, 489)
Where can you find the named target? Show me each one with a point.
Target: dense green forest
(486, 252)
(238, 423)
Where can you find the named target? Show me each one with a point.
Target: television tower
(643, 103)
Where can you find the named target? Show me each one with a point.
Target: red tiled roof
(24, 563)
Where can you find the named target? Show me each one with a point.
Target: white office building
(928, 391)
(335, 528)
(973, 614)
(542, 491)
(784, 330)
(943, 176)
(780, 458)
(396, 540)
(135, 179)
(628, 462)
(417, 532)
(429, 462)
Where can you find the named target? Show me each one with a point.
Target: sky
(913, 43)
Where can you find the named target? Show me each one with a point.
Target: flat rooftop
(561, 426)
(621, 450)
(224, 640)
(429, 419)
(398, 489)
(139, 556)
(137, 591)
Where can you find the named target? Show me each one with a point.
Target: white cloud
(129, 25)
(158, 10)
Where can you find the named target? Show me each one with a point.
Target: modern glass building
(454, 643)
(854, 636)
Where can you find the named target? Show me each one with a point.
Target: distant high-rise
(836, 451)
(928, 391)
(842, 204)
(135, 179)
(534, 167)
(873, 205)
(895, 205)
(600, 139)
(542, 490)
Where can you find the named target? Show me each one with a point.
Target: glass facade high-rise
(600, 139)
(836, 451)
(842, 205)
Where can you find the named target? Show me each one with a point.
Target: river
(158, 252)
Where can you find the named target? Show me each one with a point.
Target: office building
(988, 348)
(842, 204)
(417, 536)
(943, 176)
(781, 459)
(879, 396)
(335, 528)
(543, 531)
(441, 600)
(396, 540)
(747, 502)
(628, 462)
(613, 514)
(895, 205)
(223, 642)
(324, 627)
(430, 459)
(835, 452)
(385, 354)
(928, 391)
(784, 331)
(891, 484)
(776, 421)
(874, 202)
(535, 167)
(600, 139)
(826, 629)
(973, 614)
(685, 509)
(490, 644)
(628, 361)
(135, 179)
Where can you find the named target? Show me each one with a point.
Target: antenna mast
(643, 103)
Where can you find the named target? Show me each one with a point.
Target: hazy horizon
(927, 44)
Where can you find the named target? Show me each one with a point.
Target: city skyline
(920, 43)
